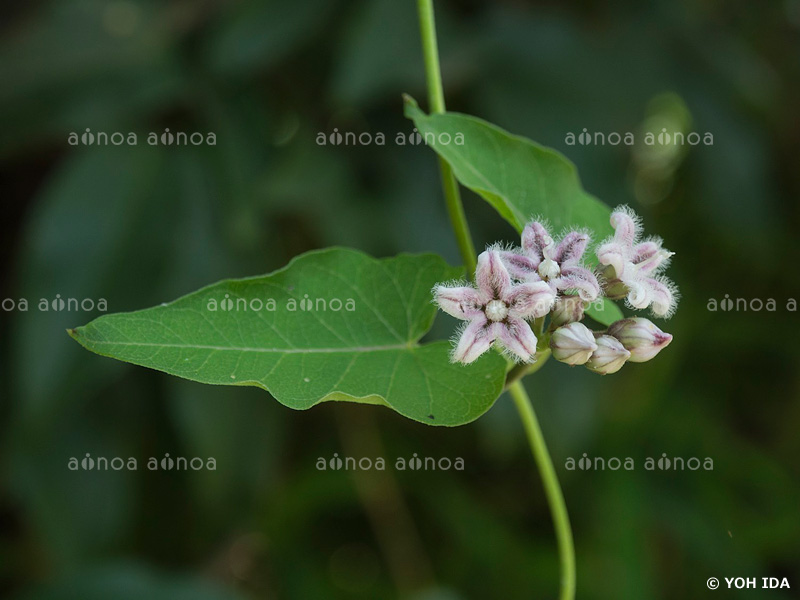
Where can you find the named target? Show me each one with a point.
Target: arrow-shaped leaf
(334, 324)
(518, 177)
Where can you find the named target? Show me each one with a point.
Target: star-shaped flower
(496, 310)
(558, 264)
(632, 266)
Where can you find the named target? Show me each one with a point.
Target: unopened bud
(567, 309)
(641, 337)
(609, 356)
(572, 344)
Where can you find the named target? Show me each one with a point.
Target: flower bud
(609, 356)
(567, 309)
(641, 337)
(572, 344)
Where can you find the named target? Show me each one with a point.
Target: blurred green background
(139, 225)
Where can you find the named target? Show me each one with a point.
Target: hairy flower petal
(570, 249)
(614, 255)
(530, 300)
(645, 250)
(519, 266)
(535, 239)
(476, 339)
(662, 296)
(518, 337)
(648, 264)
(460, 302)
(639, 294)
(580, 279)
(491, 275)
(626, 225)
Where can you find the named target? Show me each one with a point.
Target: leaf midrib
(344, 350)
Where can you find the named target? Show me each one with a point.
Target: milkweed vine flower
(545, 276)
(558, 264)
(632, 267)
(496, 310)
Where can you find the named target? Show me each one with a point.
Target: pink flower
(632, 266)
(496, 310)
(558, 264)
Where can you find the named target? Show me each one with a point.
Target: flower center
(496, 310)
(548, 269)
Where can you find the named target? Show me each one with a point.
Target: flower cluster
(545, 277)
(632, 267)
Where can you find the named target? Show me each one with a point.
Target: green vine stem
(455, 208)
(517, 372)
(552, 489)
(433, 75)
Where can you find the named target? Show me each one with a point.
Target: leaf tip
(410, 107)
(75, 334)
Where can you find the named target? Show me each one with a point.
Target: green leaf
(518, 177)
(604, 311)
(336, 324)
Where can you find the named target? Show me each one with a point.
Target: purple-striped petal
(662, 297)
(580, 279)
(535, 239)
(648, 262)
(491, 275)
(570, 249)
(476, 339)
(530, 300)
(626, 226)
(460, 302)
(520, 266)
(645, 250)
(518, 338)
